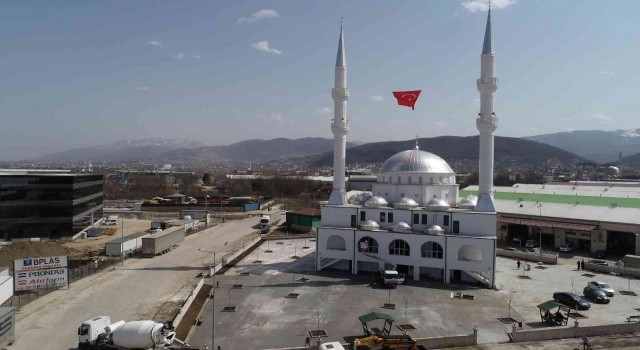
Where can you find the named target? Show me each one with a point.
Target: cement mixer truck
(100, 333)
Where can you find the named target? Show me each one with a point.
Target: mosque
(414, 219)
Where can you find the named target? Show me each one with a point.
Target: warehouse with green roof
(590, 216)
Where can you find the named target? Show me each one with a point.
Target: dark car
(600, 254)
(572, 300)
(597, 295)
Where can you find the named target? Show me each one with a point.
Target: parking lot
(264, 318)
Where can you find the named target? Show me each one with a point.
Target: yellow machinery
(383, 342)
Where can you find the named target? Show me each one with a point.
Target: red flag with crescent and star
(407, 98)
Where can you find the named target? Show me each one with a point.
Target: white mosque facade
(413, 219)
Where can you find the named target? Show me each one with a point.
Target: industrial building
(414, 219)
(303, 219)
(47, 205)
(589, 216)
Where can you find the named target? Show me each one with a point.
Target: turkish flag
(407, 98)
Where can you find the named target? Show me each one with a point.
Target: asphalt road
(134, 291)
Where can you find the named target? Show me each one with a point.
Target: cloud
(376, 98)
(154, 43)
(600, 118)
(178, 56)
(483, 5)
(142, 88)
(262, 14)
(323, 110)
(442, 124)
(275, 117)
(196, 57)
(264, 46)
(607, 72)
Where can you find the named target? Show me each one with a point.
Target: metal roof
(619, 197)
(550, 305)
(416, 161)
(372, 316)
(487, 46)
(128, 238)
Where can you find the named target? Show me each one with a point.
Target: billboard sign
(45, 272)
(31, 264)
(41, 279)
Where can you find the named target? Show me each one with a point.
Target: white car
(154, 230)
(566, 247)
(531, 244)
(603, 287)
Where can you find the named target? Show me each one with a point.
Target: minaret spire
(487, 46)
(339, 125)
(487, 123)
(417, 147)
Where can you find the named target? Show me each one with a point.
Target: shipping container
(131, 243)
(163, 241)
(7, 326)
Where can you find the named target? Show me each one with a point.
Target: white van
(111, 220)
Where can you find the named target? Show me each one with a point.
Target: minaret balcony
(488, 80)
(341, 125)
(340, 94)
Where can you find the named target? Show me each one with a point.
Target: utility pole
(206, 212)
(540, 228)
(122, 238)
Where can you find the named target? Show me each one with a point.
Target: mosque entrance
(407, 270)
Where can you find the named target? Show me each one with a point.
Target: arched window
(336, 243)
(409, 179)
(469, 253)
(399, 247)
(383, 178)
(368, 245)
(399, 179)
(420, 179)
(431, 250)
(440, 179)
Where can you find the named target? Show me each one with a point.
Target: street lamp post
(122, 238)
(206, 212)
(540, 228)
(213, 273)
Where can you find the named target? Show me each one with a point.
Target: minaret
(487, 121)
(339, 126)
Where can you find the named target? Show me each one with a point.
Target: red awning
(547, 223)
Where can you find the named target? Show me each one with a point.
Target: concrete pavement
(134, 291)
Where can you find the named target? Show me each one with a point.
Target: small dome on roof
(416, 161)
(405, 203)
(468, 202)
(376, 202)
(360, 198)
(612, 170)
(401, 227)
(434, 230)
(370, 225)
(436, 203)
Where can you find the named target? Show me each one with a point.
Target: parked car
(571, 300)
(154, 230)
(566, 247)
(598, 262)
(600, 254)
(511, 249)
(531, 243)
(603, 287)
(596, 295)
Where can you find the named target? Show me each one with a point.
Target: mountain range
(509, 151)
(595, 145)
(122, 151)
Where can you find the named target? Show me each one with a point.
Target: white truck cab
(89, 330)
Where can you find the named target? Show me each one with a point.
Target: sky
(83, 73)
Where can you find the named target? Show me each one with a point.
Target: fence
(78, 269)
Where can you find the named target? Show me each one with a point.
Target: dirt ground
(79, 248)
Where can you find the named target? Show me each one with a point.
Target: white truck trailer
(162, 242)
(100, 333)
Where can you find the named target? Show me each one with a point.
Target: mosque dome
(612, 170)
(416, 161)
(360, 198)
(434, 230)
(370, 225)
(376, 202)
(436, 203)
(468, 202)
(405, 203)
(401, 227)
